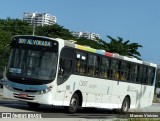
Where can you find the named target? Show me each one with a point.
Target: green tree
(124, 48)
(8, 28)
(15, 26)
(54, 31)
(5, 38)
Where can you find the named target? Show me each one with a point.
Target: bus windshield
(32, 60)
(32, 64)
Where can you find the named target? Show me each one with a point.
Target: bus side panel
(95, 92)
(59, 98)
(91, 100)
(118, 93)
(146, 94)
(98, 100)
(140, 95)
(123, 89)
(103, 93)
(106, 87)
(99, 91)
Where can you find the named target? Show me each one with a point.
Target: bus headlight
(48, 89)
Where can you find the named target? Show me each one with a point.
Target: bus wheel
(125, 105)
(74, 103)
(33, 105)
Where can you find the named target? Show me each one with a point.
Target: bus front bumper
(46, 98)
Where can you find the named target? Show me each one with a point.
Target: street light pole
(33, 23)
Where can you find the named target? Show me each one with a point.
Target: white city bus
(57, 72)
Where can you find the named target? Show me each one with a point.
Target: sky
(134, 20)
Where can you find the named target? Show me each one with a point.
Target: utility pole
(33, 23)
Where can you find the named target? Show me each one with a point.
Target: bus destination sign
(34, 42)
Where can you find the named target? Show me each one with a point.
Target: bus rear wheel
(125, 105)
(33, 105)
(74, 103)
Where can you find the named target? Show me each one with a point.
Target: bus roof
(108, 54)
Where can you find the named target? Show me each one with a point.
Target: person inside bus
(65, 66)
(78, 66)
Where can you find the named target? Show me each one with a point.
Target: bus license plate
(23, 95)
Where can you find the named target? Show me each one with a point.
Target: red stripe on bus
(108, 54)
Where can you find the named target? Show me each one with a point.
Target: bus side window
(150, 75)
(125, 68)
(115, 69)
(78, 66)
(144, 78)
(104, 67)
(97, 62)
(65, 68)
(133, 72)
(92, 61)
(140, 74)
(81, 63)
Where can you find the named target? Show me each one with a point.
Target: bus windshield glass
(32, 62)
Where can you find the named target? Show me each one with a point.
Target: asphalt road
(56, 112)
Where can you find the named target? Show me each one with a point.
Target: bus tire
(74, 103)
(33, 105)
(125, 105)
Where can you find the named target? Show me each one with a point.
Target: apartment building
(87, 35)
(39, 19)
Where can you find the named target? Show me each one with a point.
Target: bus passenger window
(150, 76)
(125, 74)
(153, 74)
(144, 78)
(115, 69)
(140, 74)
(92, 62)
(80, 63)
(104, 67)
(65, 67)
(134, 73)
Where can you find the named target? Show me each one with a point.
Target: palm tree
(124, 48)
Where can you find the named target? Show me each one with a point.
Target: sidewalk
(154, 108)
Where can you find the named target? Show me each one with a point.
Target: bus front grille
(27, 97)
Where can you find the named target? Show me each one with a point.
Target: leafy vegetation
(124, 48)
(10, 27)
